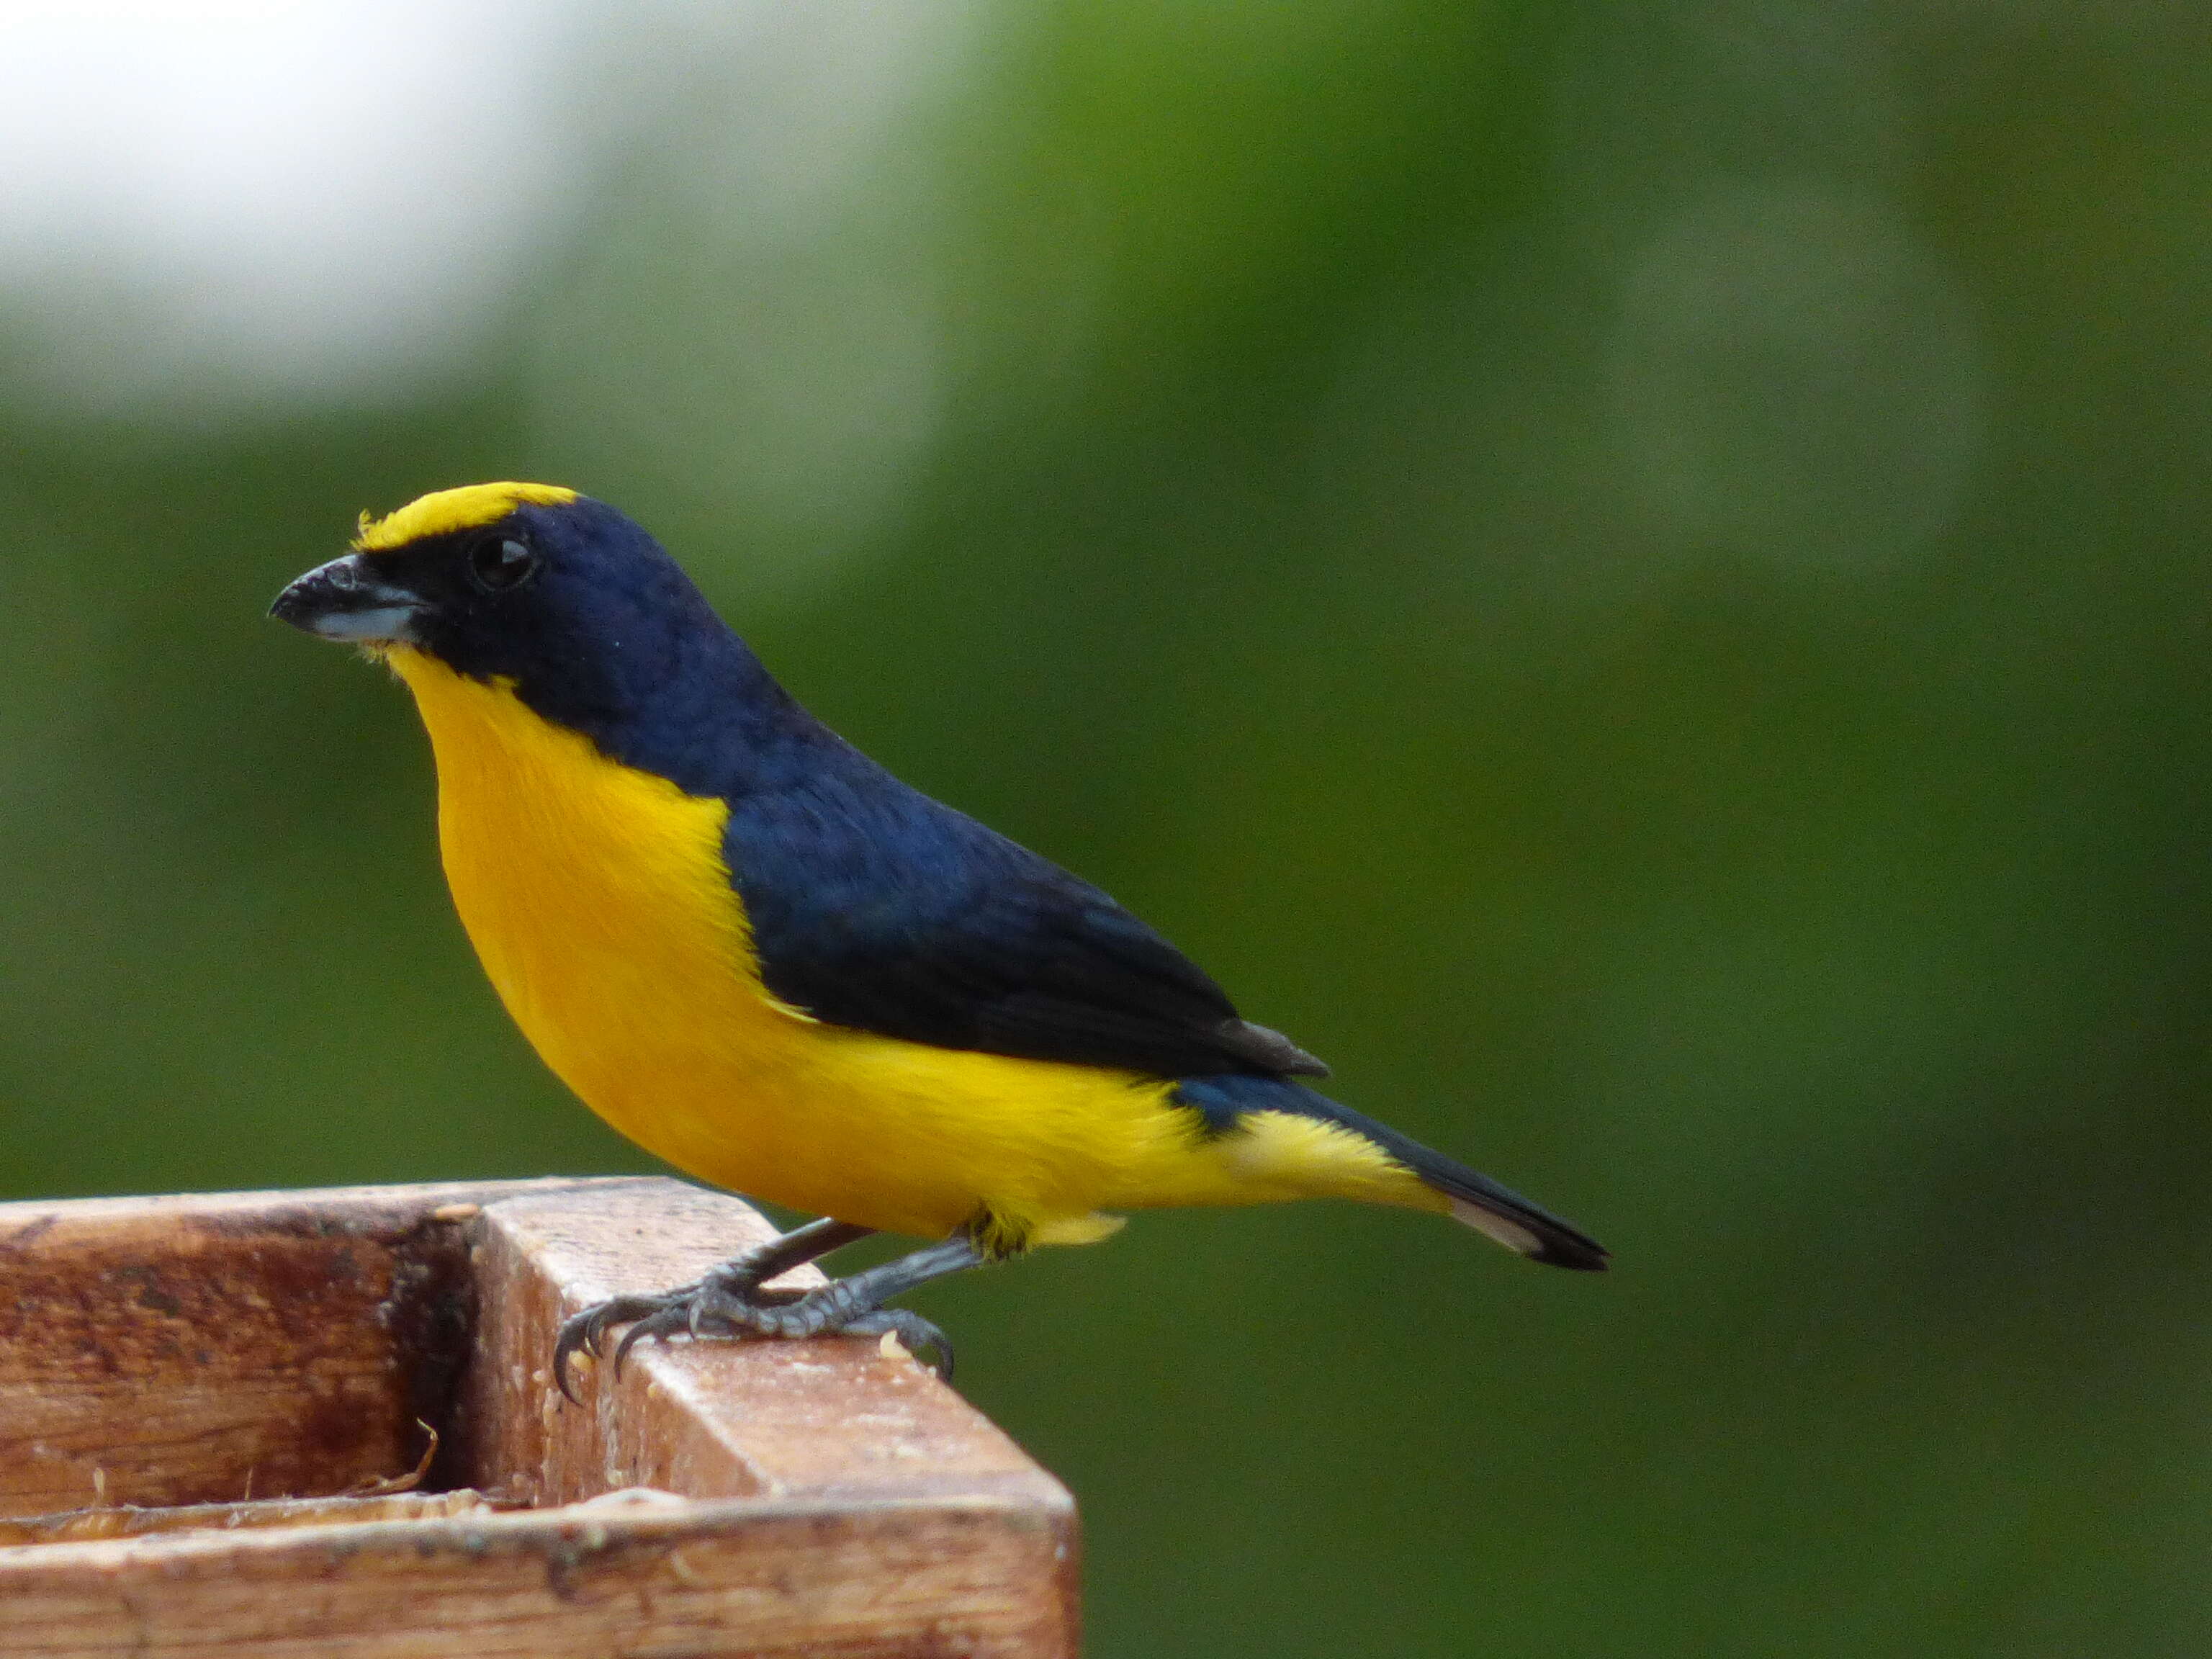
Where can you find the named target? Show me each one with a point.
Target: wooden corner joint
(257, 1350)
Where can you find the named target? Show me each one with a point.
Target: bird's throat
(593, 893)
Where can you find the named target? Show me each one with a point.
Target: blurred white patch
(240, 204)
(750, 349)
(1512, 1234)
(1794, 378)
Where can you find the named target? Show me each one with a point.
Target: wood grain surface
(828, 1496)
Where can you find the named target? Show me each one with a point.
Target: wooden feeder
(213, 1409)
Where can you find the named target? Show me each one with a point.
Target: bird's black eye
(499, 563)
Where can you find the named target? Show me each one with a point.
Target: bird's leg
(744, 1273)
(851, 1306)
(734, 1284)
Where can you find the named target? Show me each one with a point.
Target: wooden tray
(826, 1498)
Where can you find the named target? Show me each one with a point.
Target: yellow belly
(598, 902)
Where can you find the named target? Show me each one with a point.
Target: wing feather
(874, 907)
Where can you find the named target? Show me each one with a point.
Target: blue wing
(874, 907)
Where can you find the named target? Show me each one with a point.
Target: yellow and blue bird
(763, 957)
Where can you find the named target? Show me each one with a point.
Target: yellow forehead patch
(444, 511)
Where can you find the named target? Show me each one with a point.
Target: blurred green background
(1633, 575)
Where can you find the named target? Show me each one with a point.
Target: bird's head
(531, 584)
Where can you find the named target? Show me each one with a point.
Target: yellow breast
(600, 902)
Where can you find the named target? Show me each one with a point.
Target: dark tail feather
(1496, 1212)
(1501, 1213)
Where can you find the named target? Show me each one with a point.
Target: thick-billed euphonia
(760, 956)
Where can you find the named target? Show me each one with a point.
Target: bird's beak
(345, 599)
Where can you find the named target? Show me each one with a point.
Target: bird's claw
(584, 1332)
(662, 1323)
(686, 1308)
(725, 1305)
(931, 1348)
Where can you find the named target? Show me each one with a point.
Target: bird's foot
(707, 1312)
(730, 1302)
(711, 1308)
